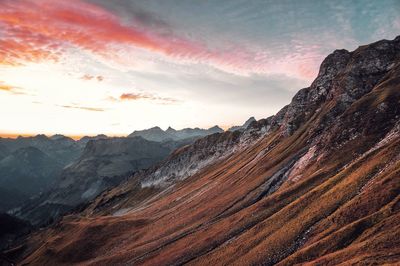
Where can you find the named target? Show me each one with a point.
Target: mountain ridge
(316, 183)
(159, 135)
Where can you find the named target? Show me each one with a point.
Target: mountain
(3, 151)
(40, 187)
(104, 163)
(61, 148)
(11, 198)
(317, 183)
(159, 135)
(244, 126)
(30, 165)
(84, 140)
(26, 172)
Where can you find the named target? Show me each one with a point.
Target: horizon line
(15, 135)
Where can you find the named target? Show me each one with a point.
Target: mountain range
(317, 183)
(43, 177)
(30, 165)
(159, 135)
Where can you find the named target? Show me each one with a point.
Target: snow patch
(300, 165)
(122, 212)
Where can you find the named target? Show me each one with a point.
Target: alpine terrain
(318, 184)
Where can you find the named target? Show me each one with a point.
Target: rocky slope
(318, 183)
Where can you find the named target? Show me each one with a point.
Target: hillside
(60, 148)
(103, 164)
(317, 183)
(25, 173)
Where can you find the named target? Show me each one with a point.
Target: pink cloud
(41, 30)
(90, 77)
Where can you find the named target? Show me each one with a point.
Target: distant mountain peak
(159, 135)
(41, 137)
(170, 129)
(244, 126)
(216, 128)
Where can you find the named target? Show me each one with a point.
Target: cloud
(90, 77)
(10, 89)
(5, 87)
(132, 96)
(147, 96)
(111, 99)
(93, 109)
(40, 30)
(131, 10)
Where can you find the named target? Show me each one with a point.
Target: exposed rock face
(159, 135)
(317, 183)
(190, 159)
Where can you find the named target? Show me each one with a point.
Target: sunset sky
(88, 67)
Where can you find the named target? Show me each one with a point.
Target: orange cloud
(87, 77)
(94, 109)
(133, 96)
(4, 87)
(90, 77)
(146, 96)
(10, 89)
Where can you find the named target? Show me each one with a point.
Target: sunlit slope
(320, 185)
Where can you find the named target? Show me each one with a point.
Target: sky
(85, 67)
